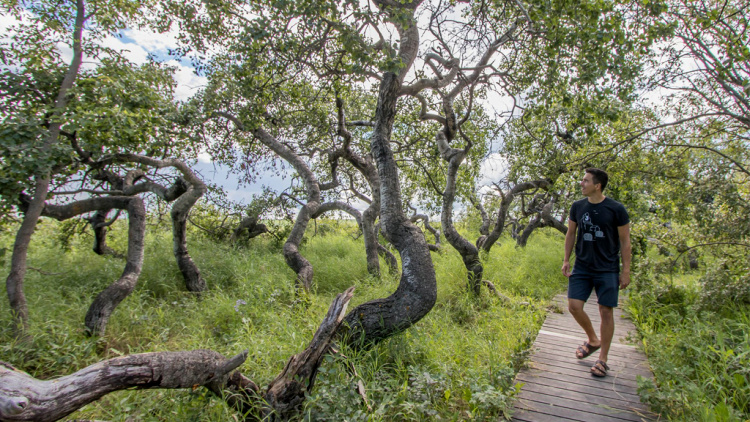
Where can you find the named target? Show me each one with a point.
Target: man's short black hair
(599, 176)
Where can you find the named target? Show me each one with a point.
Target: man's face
(588, 187)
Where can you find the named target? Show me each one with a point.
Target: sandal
(600, 369)
(585, 350)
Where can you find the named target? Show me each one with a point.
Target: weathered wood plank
(618, 369)
(613, 402)
(595, 409)
(557, 339)
(569, 413)
(559, 387)
(567, 350)
(583, 371)
(564, 383)
(524, 415)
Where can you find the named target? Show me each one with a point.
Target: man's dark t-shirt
(597, 240)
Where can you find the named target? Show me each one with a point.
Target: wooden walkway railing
(558, 387)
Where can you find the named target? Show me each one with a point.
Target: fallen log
(24, 398)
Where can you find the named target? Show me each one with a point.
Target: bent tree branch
(106, 302)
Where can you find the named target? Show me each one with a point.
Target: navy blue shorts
(582, 282)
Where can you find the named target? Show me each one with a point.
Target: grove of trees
(386, 112)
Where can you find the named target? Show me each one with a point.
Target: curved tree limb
(23, 398)
(105, 303)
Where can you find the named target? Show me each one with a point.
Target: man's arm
(570, 242)
(625, 252)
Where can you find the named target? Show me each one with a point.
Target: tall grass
(700, 354)
(456, 364)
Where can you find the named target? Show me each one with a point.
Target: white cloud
(187, 81)
(204, 157)
(136, 45)
(493, 169)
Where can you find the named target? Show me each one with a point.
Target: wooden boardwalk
(558, 387)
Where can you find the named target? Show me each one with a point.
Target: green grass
(456, 364)
(697, 341)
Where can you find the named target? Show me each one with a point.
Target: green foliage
(456, 364)
(725, 284)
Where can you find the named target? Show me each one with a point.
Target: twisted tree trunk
(389, 258)
(185, 192)
(550, 220)
(469, 252)
(532, 225)
(100, 226)
(417, 289)
(293, 257)
(435, 232)
(179, 213)
(14, 282)
(251, 225)
(370, 172)
(23, 398)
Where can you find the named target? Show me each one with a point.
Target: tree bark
(14, 282)
(286, 393)
(484, 229)
(179, 213)
(106, 302)
(23, 398)
(469, 252)
(534, 224)
(293, 257)
(99, 225)
(249, 223)
(389, 258)
(550, 221)
(370, 172)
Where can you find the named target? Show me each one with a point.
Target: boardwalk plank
(566, 350)
(616, 368)
(577, 387)
(583, 386)
(558, 387)
(614, 402)
(572, 342)
(594, 409)
(524, 415)
(569, 413)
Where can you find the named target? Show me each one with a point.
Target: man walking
(599, 228)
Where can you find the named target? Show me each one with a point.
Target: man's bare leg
(575, 306)
(607, 330)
